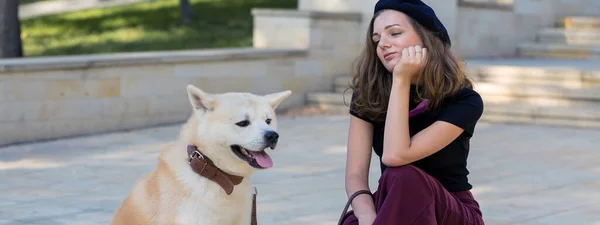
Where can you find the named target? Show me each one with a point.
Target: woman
(408, 79)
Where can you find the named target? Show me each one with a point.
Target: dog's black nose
(271, 137)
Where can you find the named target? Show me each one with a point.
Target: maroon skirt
(408, 195)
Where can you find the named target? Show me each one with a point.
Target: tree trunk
(186, 11)
(10, 40)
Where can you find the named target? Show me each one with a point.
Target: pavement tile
(521, 174)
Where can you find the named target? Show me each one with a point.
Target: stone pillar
(281, 28)
(330, 37)
(364, 7)
(335, 5)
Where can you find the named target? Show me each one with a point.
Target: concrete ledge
(581, 113)
(334, 98)
(487, 4)
(306, 14)
(491, 117)
(317, 32)
(556, 72)
(47, 98)
(559, 51)
(579, 23)
(101, 60)
(541, 95)
(569, 36)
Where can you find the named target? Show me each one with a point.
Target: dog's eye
(268, 121)
(243, 123)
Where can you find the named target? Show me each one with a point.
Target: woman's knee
(407, 174)
(350, 219)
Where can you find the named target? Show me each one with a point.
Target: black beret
(420, 12)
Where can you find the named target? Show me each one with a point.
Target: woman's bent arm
(399, 148)
(360, 137)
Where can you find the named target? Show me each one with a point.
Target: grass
(149, 26)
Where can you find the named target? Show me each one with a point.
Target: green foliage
(146, 26)
(22, 2)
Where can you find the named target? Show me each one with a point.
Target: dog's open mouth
(256, 159)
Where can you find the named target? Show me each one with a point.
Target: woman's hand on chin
(412, 61)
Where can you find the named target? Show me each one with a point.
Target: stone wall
(492, 28)
(485, 29)
(301, 50)
(46, 98)
(364, 8)
(330, 37)
(56, 97)
(478, 28)
(532, 15)
(560, 8)
(333, 5)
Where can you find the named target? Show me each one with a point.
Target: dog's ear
(276, 98)
(200, 99)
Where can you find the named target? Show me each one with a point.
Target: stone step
(538, 95)
(341, 83)
(541, 95)
(558, 92)
(525, 71)
(546, 50)
(579, 23)
(333, 98)
(571, 116)
(557, 72)
(574, 116)
(570, 37)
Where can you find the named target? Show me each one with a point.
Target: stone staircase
(555, 81)
(572, 37)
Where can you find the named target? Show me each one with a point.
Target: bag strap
(344, 213)
(253, 216)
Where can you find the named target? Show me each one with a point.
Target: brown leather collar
(203, 166)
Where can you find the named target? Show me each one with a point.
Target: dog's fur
(175, 194)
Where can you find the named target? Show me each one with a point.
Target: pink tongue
(263, 159)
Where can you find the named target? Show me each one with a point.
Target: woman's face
(393, 32)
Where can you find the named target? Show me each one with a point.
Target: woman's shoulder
(353, 109)
(463, 109)
(466, 96)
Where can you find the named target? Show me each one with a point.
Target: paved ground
(522, 175)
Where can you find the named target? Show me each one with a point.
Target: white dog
(203, 178)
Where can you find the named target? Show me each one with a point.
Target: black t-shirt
(449, 165)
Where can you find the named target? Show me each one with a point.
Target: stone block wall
(485, 29)
(560, 8)
(364, 8)
(478, 28)
(492, 28)
(329, 37)
(532, 15)
(333, 5)
(46, 98)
